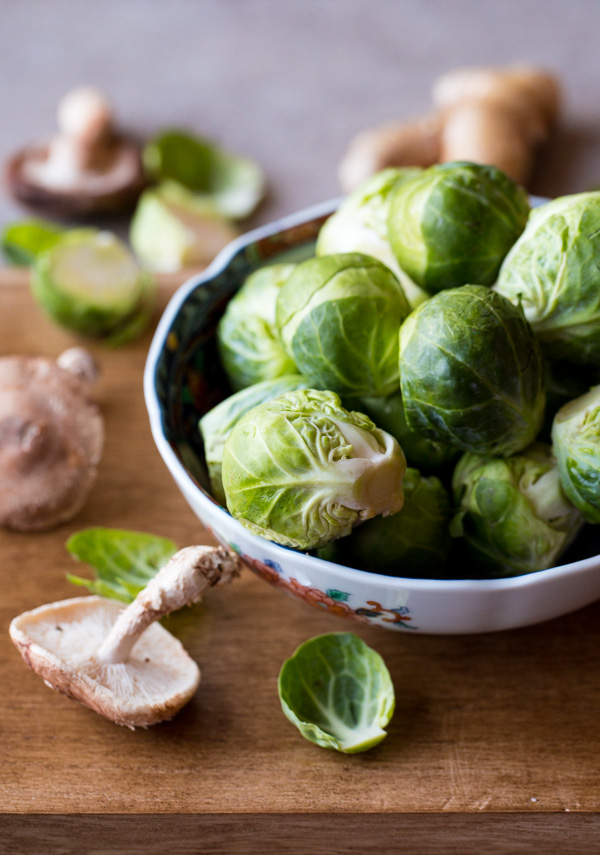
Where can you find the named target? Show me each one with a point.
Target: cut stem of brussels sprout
(338, 692)
(576, 445)
(414, 542)
(121, 663)
(91, 283)
(301, 470)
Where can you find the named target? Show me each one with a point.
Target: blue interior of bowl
(189, 378)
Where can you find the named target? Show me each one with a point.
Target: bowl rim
(181, 475)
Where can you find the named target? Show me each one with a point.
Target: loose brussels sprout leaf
(360, 225)
(172, 229)
(91, 283)
(247, 336)
(23, 241)
(454, 223)
(471, 372)
(229, 184)
(388, 414)
(123, 562)
(515, 516)
(217, 424)
(576, 446)
(338, 692)
(338, 316)
(301, 470)
(552, 272)
(415, 542)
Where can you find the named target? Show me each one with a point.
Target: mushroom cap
(60, 641)
(51, 438)
(116, 187)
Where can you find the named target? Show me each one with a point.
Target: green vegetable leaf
(338, 692)
(123, 562)
(234, 185)
(23, 241)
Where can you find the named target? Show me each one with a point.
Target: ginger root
(483, 115)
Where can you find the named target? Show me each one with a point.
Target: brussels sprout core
(301, 470)
(576, 445)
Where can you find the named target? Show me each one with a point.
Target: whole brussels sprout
(247, 336)
(552, 272)
(576, 446)
(515, 516)
(420, 452)
(301, 470)
(415, 542)
(454, 223)
(471, 372)
(339, 316)
(360, 225)
(217, 424)
(90, 282)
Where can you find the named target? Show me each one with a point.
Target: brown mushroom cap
(60, 642)
(51, 438)
(114, 187)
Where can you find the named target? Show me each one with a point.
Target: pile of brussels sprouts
(444, 327)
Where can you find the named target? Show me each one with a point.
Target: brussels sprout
(301, 470)
(338, 692)
(91, 283)
(247, 335)
(576, 445)
(553, 272)
(454, 223)
(415, 542)
(471, 372)
(227, 184)
(515, 516)
(24, 240)
(217, 424)
(360, 225)
(388, 414)
(171, 228)
(338, 316)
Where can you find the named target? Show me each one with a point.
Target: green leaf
(338, 692)
(23, 241)
(123, 562)
(233, 185)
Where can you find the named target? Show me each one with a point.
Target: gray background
(289, 82)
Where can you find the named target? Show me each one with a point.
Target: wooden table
(494, 746)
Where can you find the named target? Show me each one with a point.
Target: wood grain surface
(493, 748)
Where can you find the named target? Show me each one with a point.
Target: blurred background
(290, 83)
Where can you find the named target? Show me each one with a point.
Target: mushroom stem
(182, 581)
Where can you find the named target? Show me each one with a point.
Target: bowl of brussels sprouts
(388, 406)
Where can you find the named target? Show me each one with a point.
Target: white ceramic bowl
(182, 381)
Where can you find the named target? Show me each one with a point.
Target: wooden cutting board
(494, 747)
